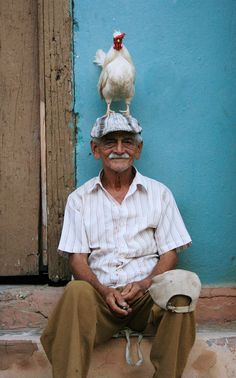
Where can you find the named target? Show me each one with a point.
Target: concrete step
(24, 310)
(213, 356)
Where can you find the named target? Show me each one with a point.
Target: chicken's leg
(109, 111)
(126, 111)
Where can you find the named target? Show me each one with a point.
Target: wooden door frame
(57, 124)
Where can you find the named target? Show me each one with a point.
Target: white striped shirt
(123, 240)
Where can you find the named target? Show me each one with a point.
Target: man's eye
(108, 142)
(128, 141)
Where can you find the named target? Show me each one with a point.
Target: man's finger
(118, 305)
(119, 310)
(132, 290)
(127, 289)
(132, 294)
(121, 302)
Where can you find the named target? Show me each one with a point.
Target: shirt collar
(95, 183)
(138, 181)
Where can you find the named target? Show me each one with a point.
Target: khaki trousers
(82, 320)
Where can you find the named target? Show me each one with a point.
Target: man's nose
(119, 148)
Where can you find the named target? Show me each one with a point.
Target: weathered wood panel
(19, 131)
(59, 133)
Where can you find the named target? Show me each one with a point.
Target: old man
(120, 230)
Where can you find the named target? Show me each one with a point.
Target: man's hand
(115, 301)
(134, 290)
(137, 289)
(82, 271)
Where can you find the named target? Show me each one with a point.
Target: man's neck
(117, 181)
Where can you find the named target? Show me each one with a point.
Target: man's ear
(139, 150)
(95, 150)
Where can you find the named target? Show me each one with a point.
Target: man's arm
(81, 271)
(137, 289)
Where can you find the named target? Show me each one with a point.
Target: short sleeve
(73, 236)
(171, 232)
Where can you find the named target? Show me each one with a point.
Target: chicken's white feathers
(116, 81)
(100, 57)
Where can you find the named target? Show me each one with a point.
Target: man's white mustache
(118, 156)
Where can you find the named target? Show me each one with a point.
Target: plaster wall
(185, 58)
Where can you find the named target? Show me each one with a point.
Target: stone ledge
(212, 356)
(28, 306)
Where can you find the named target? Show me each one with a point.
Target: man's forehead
(118, 134)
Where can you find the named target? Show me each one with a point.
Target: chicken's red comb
(120, 36)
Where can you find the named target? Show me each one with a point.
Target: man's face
(117, 151)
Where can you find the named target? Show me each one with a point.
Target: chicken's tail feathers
(100, 57)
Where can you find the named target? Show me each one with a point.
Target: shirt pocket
(140, 226)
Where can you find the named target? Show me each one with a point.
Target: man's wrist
(103, 290)
(146, 283)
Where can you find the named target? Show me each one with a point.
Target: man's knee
(80, 290)
(180, 300)
(77, 285)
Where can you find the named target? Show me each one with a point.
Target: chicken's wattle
(118, 41)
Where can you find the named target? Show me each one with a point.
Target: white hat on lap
(175, 282)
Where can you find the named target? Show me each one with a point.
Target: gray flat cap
(115, 122)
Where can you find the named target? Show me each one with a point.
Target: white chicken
(116, 81)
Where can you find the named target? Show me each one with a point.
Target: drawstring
(127, 332)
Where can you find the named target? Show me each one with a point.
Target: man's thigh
(145, 315)
(91, 302)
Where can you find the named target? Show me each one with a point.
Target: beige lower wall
(30, 306)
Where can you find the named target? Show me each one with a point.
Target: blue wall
(185, 57)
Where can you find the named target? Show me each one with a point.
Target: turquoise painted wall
(185, 57)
